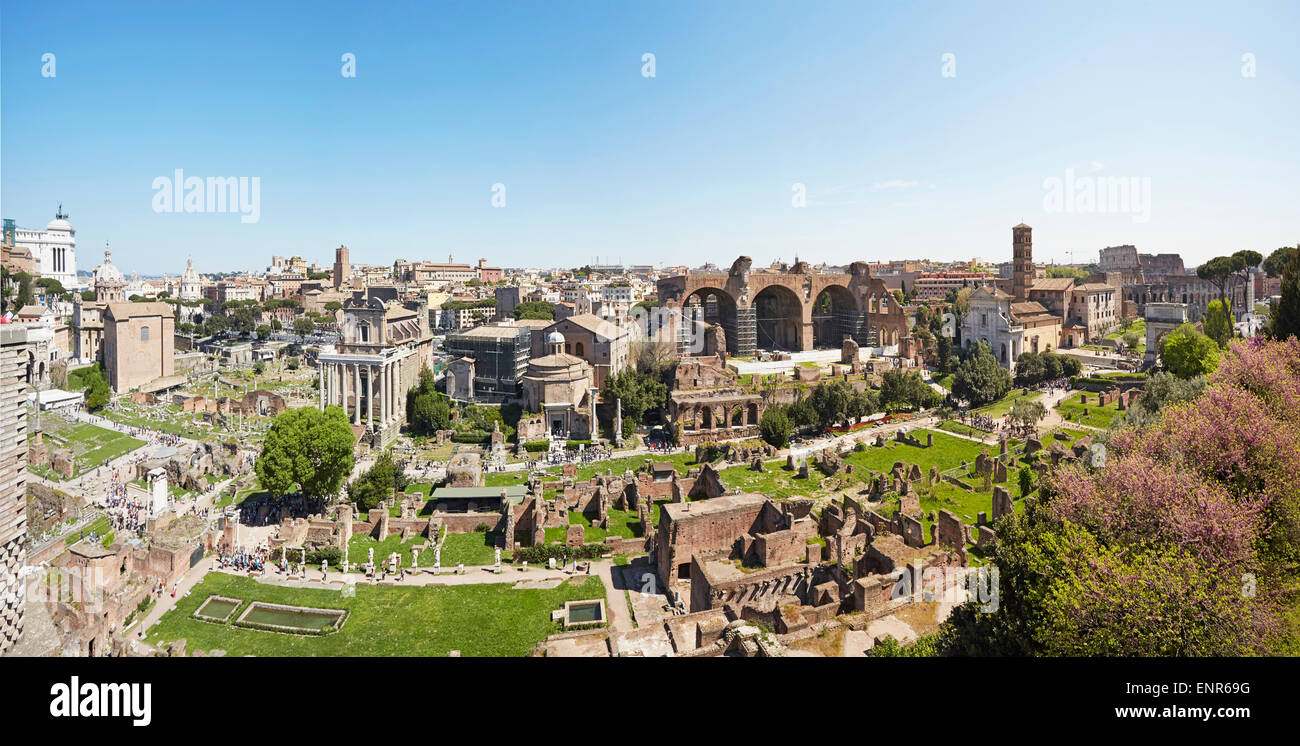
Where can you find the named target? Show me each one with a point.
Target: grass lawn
(1074, 435)
(90, 444)
(1098, 416)
(622, 523)
(1139, 327)
(681, 461)
(490, 619)
(359, 544)
(943, 379)
(948, 452)
(953, 426)
(471, 549)
(965, 505)
(422, 488)
(505, 478)
(779, 483)
(100, 526)
(1002, 406)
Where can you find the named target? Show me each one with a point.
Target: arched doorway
(704, 308)
(833, 316)
(778, 316)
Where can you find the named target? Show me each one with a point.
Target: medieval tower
(1022, 258)
(342, 267)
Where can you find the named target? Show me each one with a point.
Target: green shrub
(541, 553)
(333, 555)
(537, 446)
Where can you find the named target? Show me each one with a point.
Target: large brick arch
(864, 308)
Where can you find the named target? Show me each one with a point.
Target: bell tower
(1022, 261)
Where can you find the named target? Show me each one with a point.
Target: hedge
(537, 446)
(1097, 383)
(471, 436)
(540, 554)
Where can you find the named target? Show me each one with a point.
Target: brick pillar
(13, 490)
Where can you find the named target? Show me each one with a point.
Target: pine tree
(1284, 321)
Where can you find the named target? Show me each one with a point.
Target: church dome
(554, 338)
(189, 275)
(107, 274)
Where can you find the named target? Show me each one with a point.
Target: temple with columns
(368, 373)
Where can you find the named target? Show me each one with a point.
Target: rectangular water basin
(217, 608)
(579, 613)
(300, 619)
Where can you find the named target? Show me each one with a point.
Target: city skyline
(954, 127)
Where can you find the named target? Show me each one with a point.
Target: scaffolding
(500, 358)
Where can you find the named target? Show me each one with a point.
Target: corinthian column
(356, 394)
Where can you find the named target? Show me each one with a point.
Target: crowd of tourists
(244, 560)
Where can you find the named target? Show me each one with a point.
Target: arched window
(144, 334)
(577, 349)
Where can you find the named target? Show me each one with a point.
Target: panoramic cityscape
(354, 351)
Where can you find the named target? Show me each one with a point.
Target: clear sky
(698, 163)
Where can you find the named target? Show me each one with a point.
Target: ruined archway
(700, 310)
(778, 317)
(833, 315)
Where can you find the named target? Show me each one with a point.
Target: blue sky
(698, 163)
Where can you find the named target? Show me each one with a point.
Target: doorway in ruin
(833, 317)
(701, 310)
(778, 315)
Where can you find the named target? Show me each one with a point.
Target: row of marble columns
(383, 382)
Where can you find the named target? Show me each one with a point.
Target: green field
(90, 444)
(99, 526)
(359, 545)
(1072, 410)
(1002, 406)
(681, 461)
(490, 619)
(943, 379)
(953, 426)
(1140, 328)
(965, 505)
(778, 482)
(475, 548)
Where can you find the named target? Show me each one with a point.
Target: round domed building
(191, 286)
(560, 386)
(110, 283)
